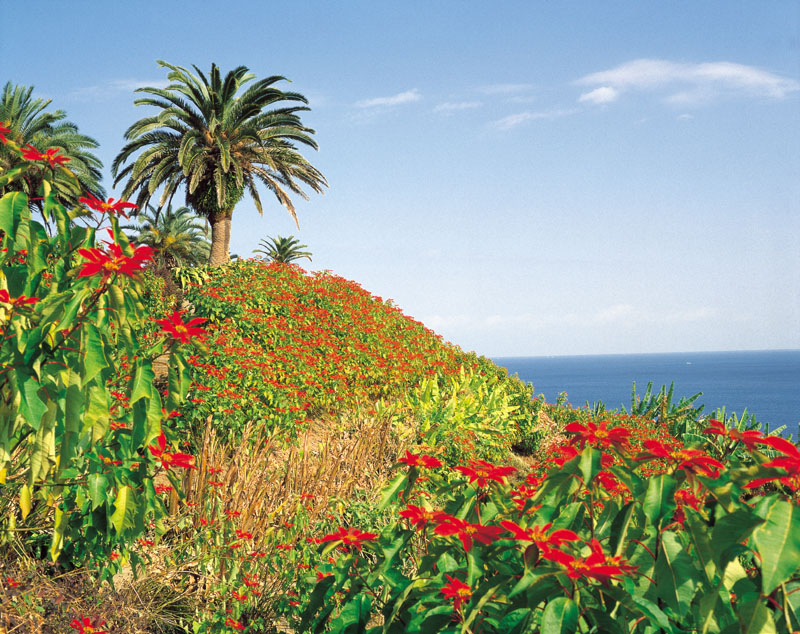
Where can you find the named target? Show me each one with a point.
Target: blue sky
(526, 178)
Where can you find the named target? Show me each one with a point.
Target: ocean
(767, 383)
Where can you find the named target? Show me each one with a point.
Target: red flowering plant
(655, 537)
(81, 409)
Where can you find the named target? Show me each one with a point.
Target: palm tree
(177, 236)
(283, 250)
(216, 142)
(30, 123)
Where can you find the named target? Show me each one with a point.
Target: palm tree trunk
(220, 238)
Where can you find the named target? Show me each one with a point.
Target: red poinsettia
(85, 625)
(749, 438)
(112, 261)
(597, 565)
(17, 302)
(169, 460)
(789, 462)
(599, 435)
(109, 207)
(421, 460)
(456, 590)
(4, 129)
(185, 332)
(419, 516)
(348, 536)
(480, 472)
(693, 461)
(51, 156)
(539, 534)
(466, 532)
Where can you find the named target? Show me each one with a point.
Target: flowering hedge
(286, 345)
(622, 530)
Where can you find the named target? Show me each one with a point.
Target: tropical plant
(283, 250)
(216, 141)
(177, 236)
(25, 124)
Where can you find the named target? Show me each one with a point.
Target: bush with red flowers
(622, 529)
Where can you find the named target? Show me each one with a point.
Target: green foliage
(283, 250)
(30, 122)
(621, 530)
(177, 236)
(220, 139)
(78, 409)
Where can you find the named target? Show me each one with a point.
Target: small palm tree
(177, 236)
(30, 123)
(215, 138)
(283, 250)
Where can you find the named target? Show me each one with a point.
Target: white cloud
(114, 87)
(604, 94)
(408, 96)
(448, 107)
(513, 120)
(505, 89)
(685, 117)
(687, 83)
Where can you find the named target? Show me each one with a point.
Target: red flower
(419, 516)
(169, 460)
(176, 327)
(481, 471)
(111, 261)
(693, 461)
(597, 566)
(109, 207)
(85, 625)
(348, 537)
(4, 130)
(17, 302)
(234, 624)
(789, 462)
(538, 534)
(50, 156)
(749, 438)
(599, 435)
(422, 460)
(456, 590)
(465, 531)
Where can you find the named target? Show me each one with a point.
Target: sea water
(766, 383)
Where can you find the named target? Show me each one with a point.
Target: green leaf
(391, 490)
(32, 407)
(13, 207)
(61, 521)
(676, 574)
(755, 618)
(516, 621)
(123, 509)
(697, 529)
(93, 353)
(729, 532)
(660, 498)
(98, 485)
(143, 383)
(590, 464)
(560, 616)
(778, 543)
(25, 500)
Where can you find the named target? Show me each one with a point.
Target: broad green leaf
(73, 409)
(142, 383)
(699, 534)
(755, 618)
(676, 574)
(355, 613)
(516, 621)
(123, 509)
(660, 498)
(93, 353)
(729, 532)
(777, 541)
(43, 456)
(391, 490)
(590, 464)
(32, 406)
(98, 486)
(59, 526)
(560, 616)
(13, 207)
